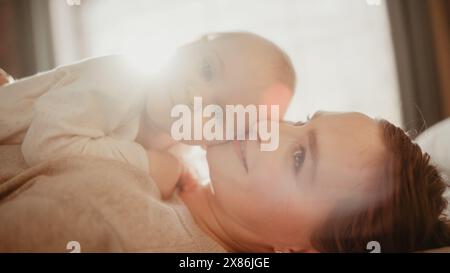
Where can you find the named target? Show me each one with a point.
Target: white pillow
(436, 142)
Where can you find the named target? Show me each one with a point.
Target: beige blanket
(102, 205)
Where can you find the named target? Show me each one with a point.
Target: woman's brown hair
(406, 212)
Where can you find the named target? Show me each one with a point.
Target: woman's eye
(299, 158)
(207, 71)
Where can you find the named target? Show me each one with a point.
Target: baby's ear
(277, 94)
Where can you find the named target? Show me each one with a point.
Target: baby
(98, 107)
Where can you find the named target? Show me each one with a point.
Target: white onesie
(92, 107)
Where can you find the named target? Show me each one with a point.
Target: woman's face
(284, 195)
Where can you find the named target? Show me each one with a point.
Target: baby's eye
(299, 158)
(207, 71)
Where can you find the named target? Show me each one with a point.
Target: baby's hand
(187, 182)
(166, 170)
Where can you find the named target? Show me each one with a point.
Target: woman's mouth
(240, 149)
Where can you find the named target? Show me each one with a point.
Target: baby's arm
(94, 110)
(152, 137)
(165, 170)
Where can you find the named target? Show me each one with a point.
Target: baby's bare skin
(166, 170)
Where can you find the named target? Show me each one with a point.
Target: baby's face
(222, 71)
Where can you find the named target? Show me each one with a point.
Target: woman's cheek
(265, 173)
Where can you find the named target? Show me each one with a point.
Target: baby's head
(240, 68)
(225, 69)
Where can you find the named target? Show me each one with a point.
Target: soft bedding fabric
(105, 205)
